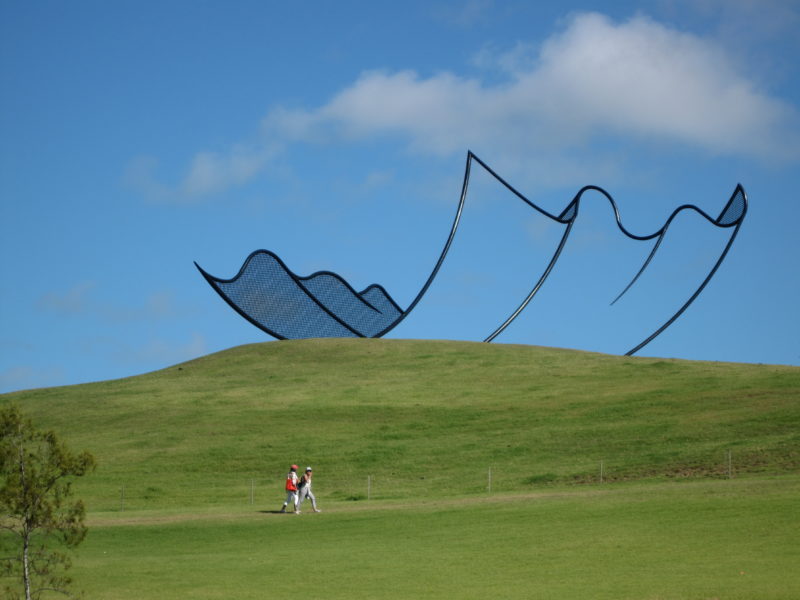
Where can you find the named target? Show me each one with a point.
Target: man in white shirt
(305, 490)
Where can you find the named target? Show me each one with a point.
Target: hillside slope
(395, 418)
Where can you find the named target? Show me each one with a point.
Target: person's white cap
(309, 469)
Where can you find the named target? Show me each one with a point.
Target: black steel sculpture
(287, 306)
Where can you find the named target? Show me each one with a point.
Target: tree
(38, 519)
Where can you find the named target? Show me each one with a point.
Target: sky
(138, 137)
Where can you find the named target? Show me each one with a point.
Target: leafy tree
(38, 519)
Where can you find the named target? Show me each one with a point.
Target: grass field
(703, 539)
(700, 466)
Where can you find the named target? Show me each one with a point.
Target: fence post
(122, 499)
(490, 480)
(730, 465)
(369, 486)
(601, 471)
(252, 491)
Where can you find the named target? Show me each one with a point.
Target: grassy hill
(404, 419)
(700, 474)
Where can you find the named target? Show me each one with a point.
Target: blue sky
(139, 137)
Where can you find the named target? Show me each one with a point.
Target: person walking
(305, 490)
(291, 490)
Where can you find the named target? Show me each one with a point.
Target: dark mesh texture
(368, 315)
(569, 213)
(268, 294)
(734, 210)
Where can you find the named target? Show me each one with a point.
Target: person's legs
(313, 499)
(290, 497)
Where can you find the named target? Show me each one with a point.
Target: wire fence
(267, 493)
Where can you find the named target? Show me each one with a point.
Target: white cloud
(211, 172)
(208, 173)
(643, 79)
(636, 79)
(434, 113)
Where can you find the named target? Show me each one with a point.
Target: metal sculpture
(287, 306)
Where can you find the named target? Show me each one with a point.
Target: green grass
(182, 450)
(417, 417)
(703, 539)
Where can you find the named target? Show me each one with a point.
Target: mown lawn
(726, 539)
(418, 418)
(611, 477)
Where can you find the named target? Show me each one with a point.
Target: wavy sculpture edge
(326, 305)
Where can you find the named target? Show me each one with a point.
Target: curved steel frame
(216, 281)
(731, 216)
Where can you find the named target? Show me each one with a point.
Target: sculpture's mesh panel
(368, 316)
(269, 295)
(569, 212)
(378, 298)
(734, 209)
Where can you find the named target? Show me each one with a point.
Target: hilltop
(419, 417)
